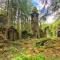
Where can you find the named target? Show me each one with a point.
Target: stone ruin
(58, 31)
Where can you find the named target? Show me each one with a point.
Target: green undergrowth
(36, 57)
(27, 57)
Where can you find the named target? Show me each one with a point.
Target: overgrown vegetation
(23, 45)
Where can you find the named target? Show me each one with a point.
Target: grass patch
(36, 57)
(27, 57)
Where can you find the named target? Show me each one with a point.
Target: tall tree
(18, 10)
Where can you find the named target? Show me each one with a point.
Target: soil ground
(9, 49)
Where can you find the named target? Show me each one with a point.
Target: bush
(25, 34)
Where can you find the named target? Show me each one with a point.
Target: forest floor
(13, 50)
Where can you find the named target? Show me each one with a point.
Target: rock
(42, 43)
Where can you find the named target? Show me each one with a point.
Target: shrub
(25, 34)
